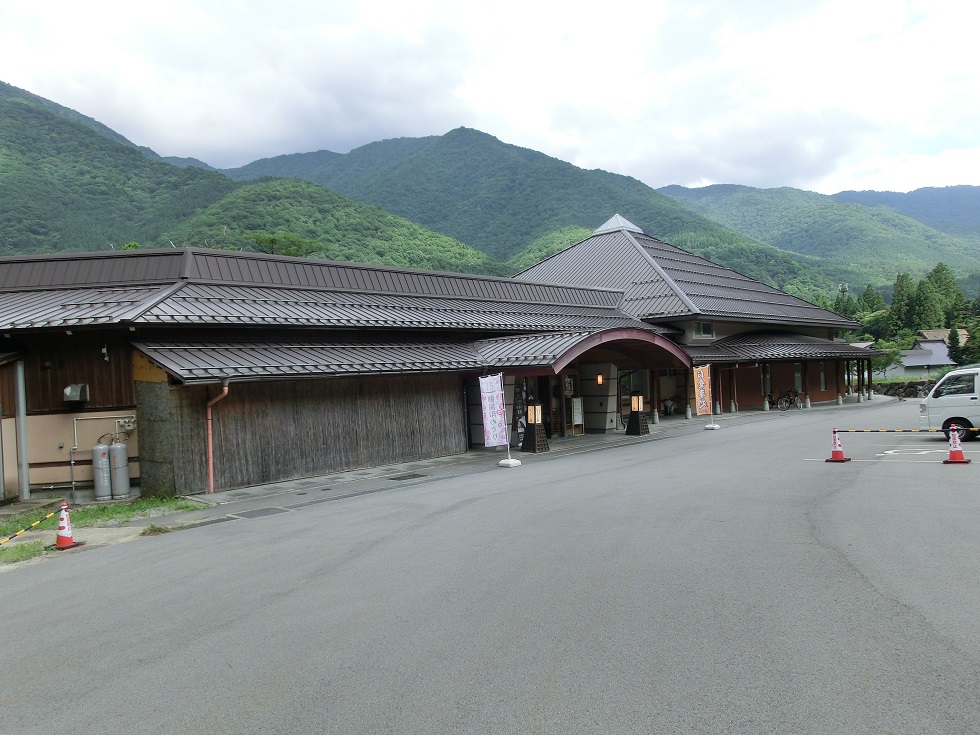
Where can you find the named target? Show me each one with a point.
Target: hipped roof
(663, 283)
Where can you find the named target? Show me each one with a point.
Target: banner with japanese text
(495, 430)
(702, 390)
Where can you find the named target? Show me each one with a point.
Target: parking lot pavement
(298, 493)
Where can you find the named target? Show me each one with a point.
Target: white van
(953, 400)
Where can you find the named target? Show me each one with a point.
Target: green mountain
(951, 209)
(494, 196)
(9, 92)
(871, 241)
(522, 205)
(67, 185)
(69, 182)
(293, 217)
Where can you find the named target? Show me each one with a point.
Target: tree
(954, 347)
(875, 323)
(891, 352)
(954, 303)
(969, 350)
(926, 311)
(899, 316)
(845, 305)
(871, 300)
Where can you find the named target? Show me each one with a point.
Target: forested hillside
(876, 242)
(491, 195)
(522, 205)
(65, 187)
(292, 217)
(952, 209)
(67, 182)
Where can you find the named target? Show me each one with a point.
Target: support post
(20, 408)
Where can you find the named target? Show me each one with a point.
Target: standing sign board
(702, 390)
(578, 417)
(496, 433)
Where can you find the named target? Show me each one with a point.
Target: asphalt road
(719, 582)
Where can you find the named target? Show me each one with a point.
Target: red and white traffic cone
(955, 450)
(837, 455)
(65, 540)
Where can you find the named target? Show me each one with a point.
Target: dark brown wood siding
(54, 361)
(269, 432)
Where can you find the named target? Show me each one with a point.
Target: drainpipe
(20, 421)
(222, 394)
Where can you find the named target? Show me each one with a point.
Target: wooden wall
(274, 431)
(54, 361)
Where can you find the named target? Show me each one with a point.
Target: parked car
(953, 400)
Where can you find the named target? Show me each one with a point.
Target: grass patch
(152, 529)
(118, 513)
(100, 515)
(21, 552)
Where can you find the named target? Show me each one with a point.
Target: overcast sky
(820, 95)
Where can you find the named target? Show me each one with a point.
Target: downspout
(222, 394)
(20, 421)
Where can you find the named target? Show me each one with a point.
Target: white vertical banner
(495, 430)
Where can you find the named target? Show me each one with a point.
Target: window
(704, 329)
(955, 385)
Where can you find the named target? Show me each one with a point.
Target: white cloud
(821, 95)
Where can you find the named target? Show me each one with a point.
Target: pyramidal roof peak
(617, 222)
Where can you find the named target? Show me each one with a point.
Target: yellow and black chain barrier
(40, 520)
(903, 431)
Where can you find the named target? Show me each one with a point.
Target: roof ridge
(671, 283)
(148, 303)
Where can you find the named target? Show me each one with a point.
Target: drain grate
(409, 476)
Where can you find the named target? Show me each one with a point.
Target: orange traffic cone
(837, 455)
(955, 450)
(65, 540)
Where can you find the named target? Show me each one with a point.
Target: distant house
(929, 353)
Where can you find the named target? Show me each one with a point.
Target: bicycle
(786, 399)
(790, 398)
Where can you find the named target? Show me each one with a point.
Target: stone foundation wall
(911, 389)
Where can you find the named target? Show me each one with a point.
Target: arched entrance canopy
(638, 346)
(556, 351)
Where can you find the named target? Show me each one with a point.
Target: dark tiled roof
(198, 288)
(155, 267)
(210, 362)
(242, 305)
(228, 305)
(71, 306)
(775, 346)
(244, 360)
(528, 350)
(663, 282)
